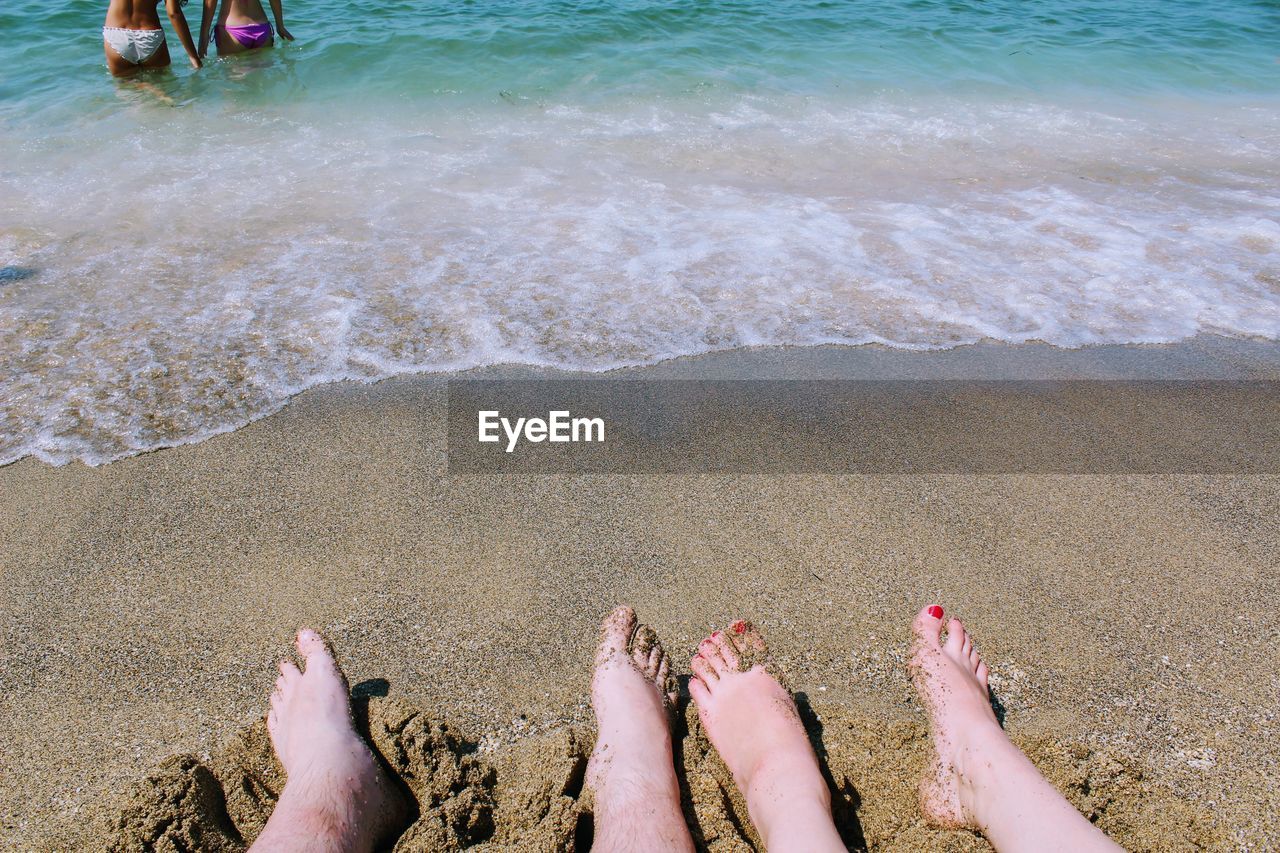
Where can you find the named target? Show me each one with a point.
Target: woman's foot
(952, 681)
(637, 796)
(336, 797)
(977, 778)
(754, 725)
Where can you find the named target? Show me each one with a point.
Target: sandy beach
(1128, 620)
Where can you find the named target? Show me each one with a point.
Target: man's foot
(336, 796)
(754, 725)
(637, 796)
(952, 681)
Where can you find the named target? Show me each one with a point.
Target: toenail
(739, 627)
(935, 611)
(715, 634)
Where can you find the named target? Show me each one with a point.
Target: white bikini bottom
(134, 46)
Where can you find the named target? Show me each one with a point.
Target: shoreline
(149, 598)
(1203, 357)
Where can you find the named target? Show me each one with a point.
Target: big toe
(927, 626)
(319, 659)
(311, 645)
(746, 638)
(615, 633)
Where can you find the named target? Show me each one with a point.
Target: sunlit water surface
(430, 186)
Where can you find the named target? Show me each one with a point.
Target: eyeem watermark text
(558, 426)
(672, 426)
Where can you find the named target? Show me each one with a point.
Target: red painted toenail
(739, 627)
(935, 611)
(715, 634)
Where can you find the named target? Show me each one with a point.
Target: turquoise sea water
(602, 52)
(429, 186)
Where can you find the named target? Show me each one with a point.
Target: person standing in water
(133, 38)
(242, 25)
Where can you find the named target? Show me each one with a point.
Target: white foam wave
(193, 276)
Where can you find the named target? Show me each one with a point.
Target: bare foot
(978, 779)
(336, 797)
(637, 796)
(952, 681)
(753, 723)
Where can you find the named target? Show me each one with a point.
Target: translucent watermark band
(864, 427)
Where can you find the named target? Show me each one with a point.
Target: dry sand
(1129, 621)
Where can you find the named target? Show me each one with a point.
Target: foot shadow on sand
(845, 801)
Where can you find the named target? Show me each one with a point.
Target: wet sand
(1128, 620)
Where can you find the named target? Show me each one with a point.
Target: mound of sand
(530, 795)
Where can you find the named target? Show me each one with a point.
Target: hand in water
(284, 34)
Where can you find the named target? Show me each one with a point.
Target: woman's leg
(637, 796)
(978, 779)
(753, 723)
(336, 797)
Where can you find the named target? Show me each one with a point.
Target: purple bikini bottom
(251, 35)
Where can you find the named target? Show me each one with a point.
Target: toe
(711, 652)
(974, 660)
(653, 663)
(275, 707)
(662, 679)
(702, 668)
(982, 675)
(309, 642)
(966, 648)
(641, 645)
(289, 672)
(699, 691)
(313, 649)
(615, 632)
(319, 659)
(745, 637)
(955, 638)
(928, 626)
(727, 650)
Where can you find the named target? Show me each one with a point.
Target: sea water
(429, 186)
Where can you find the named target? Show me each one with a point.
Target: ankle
(782, 798)
(796, 823)
(309, 819)
(629, 755)
(646, 772)
(982, 763)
